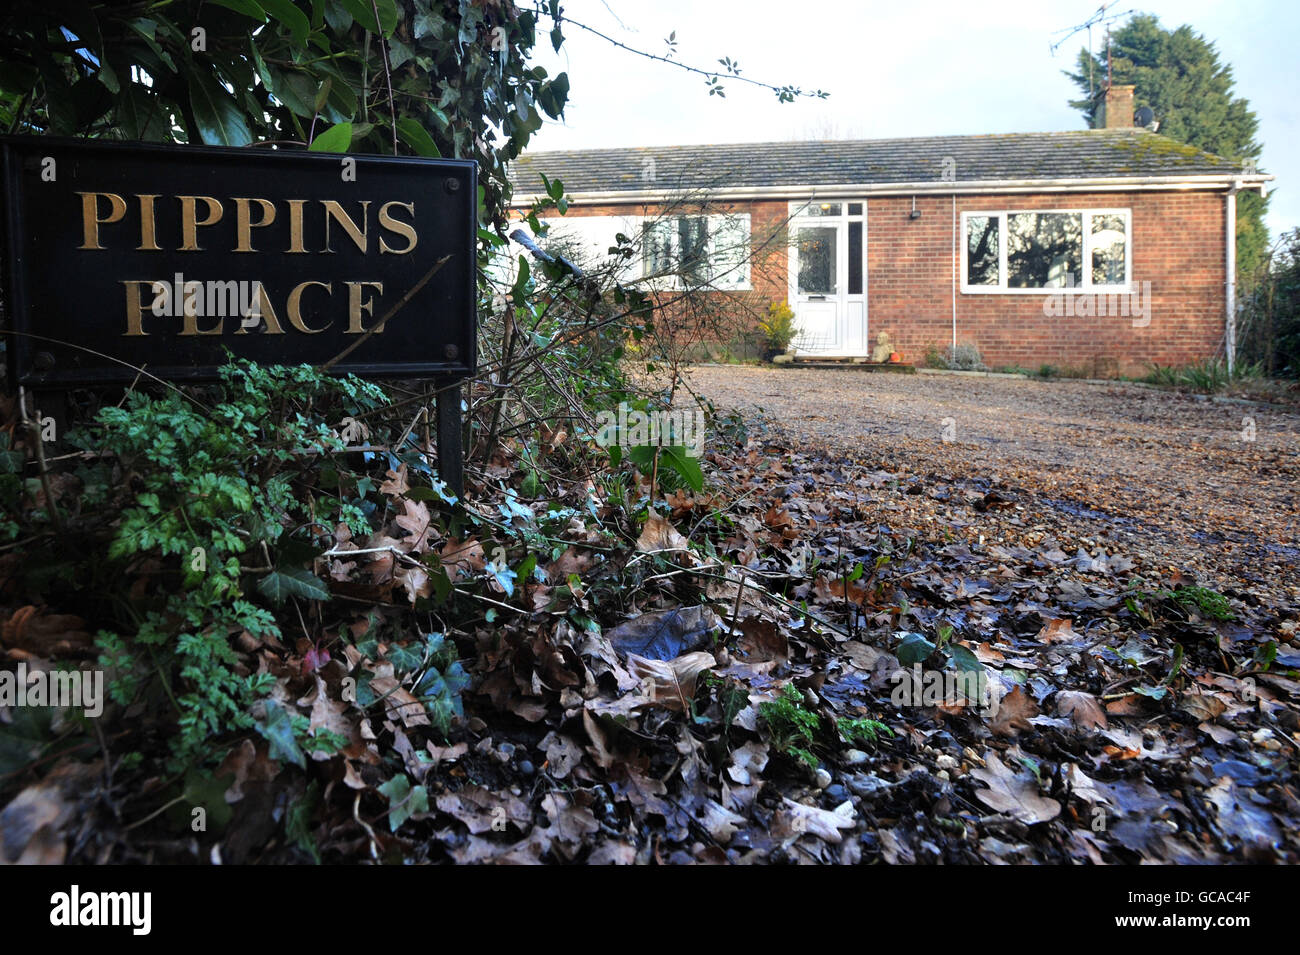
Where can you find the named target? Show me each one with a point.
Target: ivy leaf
(336, 139)
(278, 730)
(504, 576)
(279, 584)
(963, 659)
(914, 649)
(403, 800)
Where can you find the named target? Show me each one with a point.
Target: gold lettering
(266, 312)
(356, 307)
(148, 238)
(193, 309)
(90, 220)
(295, 225)
(190, 223)
(244, 225)
(134, 307)
(335, 211)
(295, 315)
(406, 229)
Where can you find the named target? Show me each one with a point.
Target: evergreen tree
(1179, 75)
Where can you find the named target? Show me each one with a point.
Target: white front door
(828, 258)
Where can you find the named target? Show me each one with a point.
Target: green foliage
(320, 72)
(404, 800)
(1208, 602)
(1178, 74)
(792, 727)
(209, 482)
(861, 730)
(1269, 330)
(778, 327)
(1206, 377)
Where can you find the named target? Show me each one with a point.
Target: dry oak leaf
(659, 535)
(1014, 794)
(398, 701)
(1057, 630)
(465, 557)
(1083, 708)
(1014, 712)
(748, 762)
(417, 583)
(396, 484)
(415, 521)
(52, 635)
(671, 683)
(795, 819)
(562, 754)
(478, 808)
(1203, 707)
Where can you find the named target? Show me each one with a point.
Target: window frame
(1085, 288)
(714, 227)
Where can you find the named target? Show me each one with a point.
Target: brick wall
(1177, 246)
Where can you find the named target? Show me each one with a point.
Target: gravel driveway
(1209, 485)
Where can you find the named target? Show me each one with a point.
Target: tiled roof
(1080, 154)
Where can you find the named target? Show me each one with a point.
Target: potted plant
(778, 329)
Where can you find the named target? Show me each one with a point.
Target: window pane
(855, 208)
(729, 250)
(815, 208)
(693, 241)
(817, 261)
(1108, 242)
(1044, 249)
(981, 250)
(658, 248)
(855, 258)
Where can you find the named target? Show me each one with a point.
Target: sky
(910, 68)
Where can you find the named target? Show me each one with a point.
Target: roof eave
(858, 190)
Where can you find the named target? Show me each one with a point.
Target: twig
(388, 76)
(379, 325)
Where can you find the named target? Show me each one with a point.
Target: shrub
(964, 358)
(778, 327)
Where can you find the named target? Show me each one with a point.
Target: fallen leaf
(1012, 793)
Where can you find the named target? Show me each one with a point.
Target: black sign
(130, 256)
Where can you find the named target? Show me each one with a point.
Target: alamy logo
(631, 428)
(74, 907)
(210, 299)
(917, 687)
(66, 688)
(1134, 304)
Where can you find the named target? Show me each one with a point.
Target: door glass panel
(817, 252)
(855, 258)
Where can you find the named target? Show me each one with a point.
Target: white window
(586, 241)
(1046, 250)
(686, 251)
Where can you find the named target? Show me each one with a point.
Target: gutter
(1230, 283)
(930, 187)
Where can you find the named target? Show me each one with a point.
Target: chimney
(1117, 108)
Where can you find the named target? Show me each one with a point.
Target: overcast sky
(909, 68)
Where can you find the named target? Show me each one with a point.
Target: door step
(857, 364)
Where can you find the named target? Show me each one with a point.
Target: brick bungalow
(1098, 250)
